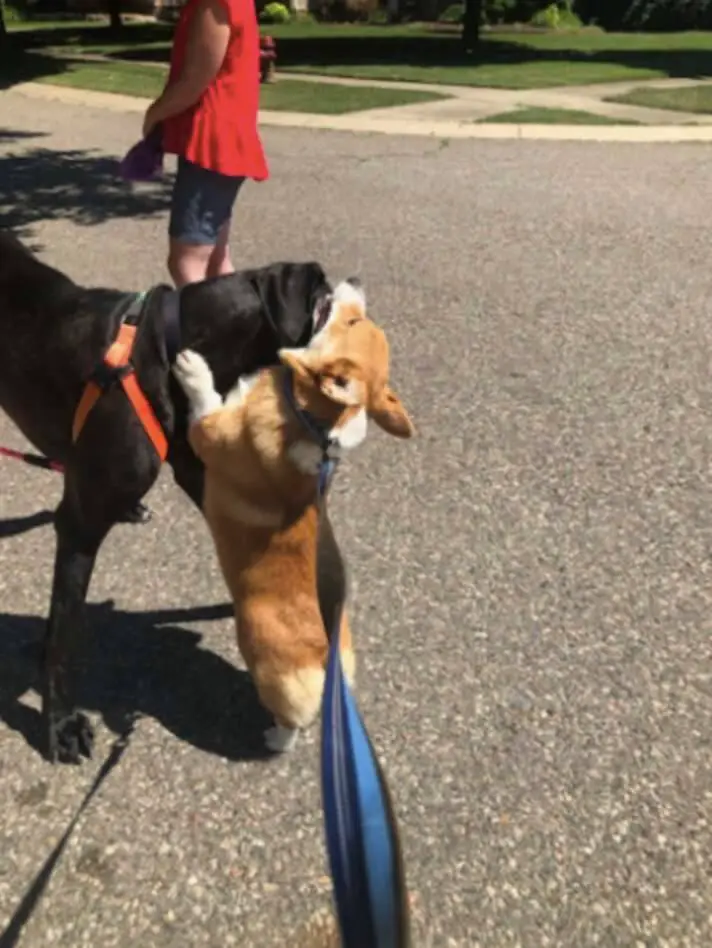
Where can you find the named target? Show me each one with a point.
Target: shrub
(347, 11)
(275, 13)
(452, 14)
(557, 17)
(499, 11)
(548, 17)
(569, 19)
(16, 11)
(668, 15)
(379, 17)
(513, 11)
(647, 14)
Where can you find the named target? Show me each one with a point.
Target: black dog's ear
(290, 293)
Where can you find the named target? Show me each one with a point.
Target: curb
(360, 123)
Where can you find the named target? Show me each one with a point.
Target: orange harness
(116, 366)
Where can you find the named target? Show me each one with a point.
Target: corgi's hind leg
(280, 739)
(294, 700)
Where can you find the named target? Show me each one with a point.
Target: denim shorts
(202, 203)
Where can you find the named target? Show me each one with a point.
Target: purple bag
(144, 160)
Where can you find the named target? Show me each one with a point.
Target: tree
(471, 22)
(3, 25)
(114, 10)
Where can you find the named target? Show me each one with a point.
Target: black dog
(54, 334)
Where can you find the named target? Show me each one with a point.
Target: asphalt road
(531, 576)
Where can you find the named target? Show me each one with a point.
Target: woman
(208, 115)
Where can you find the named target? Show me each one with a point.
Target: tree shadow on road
(147, 665)
(16, 135)
(78, 185)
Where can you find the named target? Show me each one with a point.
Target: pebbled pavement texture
(531, 576)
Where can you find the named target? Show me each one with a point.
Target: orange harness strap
(118, 358)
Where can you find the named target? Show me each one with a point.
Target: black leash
(10, 937)
(35, 460)
(170, 307)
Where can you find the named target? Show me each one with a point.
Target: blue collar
(318, 431)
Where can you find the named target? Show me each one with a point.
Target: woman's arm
(205, 52)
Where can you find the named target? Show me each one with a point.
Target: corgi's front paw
(195, 378)
(279, 739)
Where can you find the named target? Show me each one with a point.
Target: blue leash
(362, 839)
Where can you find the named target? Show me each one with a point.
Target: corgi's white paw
(280, 739)
(193, 373)
(195, 378)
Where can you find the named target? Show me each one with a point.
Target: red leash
(36, 460)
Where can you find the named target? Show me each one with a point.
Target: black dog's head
(290, 294)
(240, 321)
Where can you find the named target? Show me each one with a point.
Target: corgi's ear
(339, 380)
(389, 414)
(299, 361)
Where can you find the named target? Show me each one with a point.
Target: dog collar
(318, 431)
(171, 324)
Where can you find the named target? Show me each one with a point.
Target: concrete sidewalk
(474, 103)
(452, 117)
(446, 119)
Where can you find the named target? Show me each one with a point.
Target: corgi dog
(263, 449)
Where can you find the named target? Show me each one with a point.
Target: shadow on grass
(373, 46)
(40, 184)
(146, 665)
(418, 49)
(443, 52)
(17, 66)
(91, 35)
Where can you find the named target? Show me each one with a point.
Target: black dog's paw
(138, 514)
(70, 739)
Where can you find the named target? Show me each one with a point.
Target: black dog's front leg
(69, 732)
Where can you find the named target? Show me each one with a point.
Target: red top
(220, 132)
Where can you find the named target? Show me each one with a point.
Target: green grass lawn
(543, 116)
(292, 96)
(517, 60)
(690, 99)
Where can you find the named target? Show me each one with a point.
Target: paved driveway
(532, 575)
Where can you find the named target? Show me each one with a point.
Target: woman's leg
(220, 262)
(199, 225)
(187, 263)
